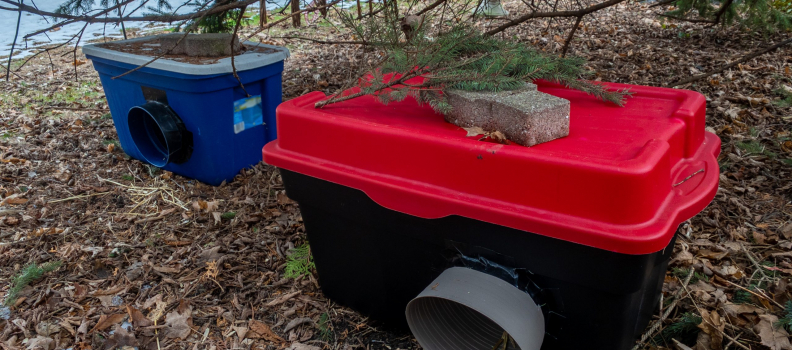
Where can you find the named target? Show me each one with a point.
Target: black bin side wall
(375, 260)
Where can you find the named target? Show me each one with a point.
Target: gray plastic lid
(246, 61)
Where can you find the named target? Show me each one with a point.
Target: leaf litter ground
(152, 260)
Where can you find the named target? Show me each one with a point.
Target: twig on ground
(657, 323)
(77, 109)
(745, 58)
(321, 41)
(758, 295)
(78, 197)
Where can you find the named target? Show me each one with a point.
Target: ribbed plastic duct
(159, 134)
(466, 309)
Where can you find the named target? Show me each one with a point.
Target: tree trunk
(263, 13)
(323, 11)
(295, 7)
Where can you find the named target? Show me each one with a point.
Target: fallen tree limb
(732, 64)
(321, 41)
(577, 13)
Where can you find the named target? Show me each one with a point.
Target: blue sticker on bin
(247, 113)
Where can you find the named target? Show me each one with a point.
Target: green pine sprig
(459, 58)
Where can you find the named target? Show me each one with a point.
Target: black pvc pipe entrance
(159, 134)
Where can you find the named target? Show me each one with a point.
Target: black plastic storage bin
(393, 198)
(375, 260)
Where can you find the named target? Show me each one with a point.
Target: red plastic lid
(622, 181)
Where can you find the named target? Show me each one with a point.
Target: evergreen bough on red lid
(460, 58)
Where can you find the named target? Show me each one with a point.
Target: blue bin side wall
(205, 105)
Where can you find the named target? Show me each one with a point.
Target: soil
(144, 48)
(139, 245)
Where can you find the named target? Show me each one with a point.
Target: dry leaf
(46, 329)
(13, 160)
(178, 324)
(773, 268)
(240, 331)
(296, 323)
(15, 200)
(300, 346)
(711, 254)
(41, 343)
(713, 326)
(498, 137)
(106, 321)
(217, 217)
(283, 199)
(260, 330)
(163, 269)
(46, 231)
(772, 337)
(111, 148)
(138, 320)
(474, 131)
(121, 339)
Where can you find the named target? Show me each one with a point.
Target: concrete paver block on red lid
(525, 116)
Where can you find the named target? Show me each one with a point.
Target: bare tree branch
(16, 35)
(154, 18)
(430, 7)
(571, 35)
(577, 13)
(233, 38)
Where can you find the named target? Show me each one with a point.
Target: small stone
(526, 116)
(5, 313)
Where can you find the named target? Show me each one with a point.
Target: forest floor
(110, 252)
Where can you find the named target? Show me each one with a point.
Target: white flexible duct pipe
(466, 309)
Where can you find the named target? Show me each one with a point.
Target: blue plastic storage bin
(192, 119)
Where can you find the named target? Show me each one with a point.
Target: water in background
(30, 23)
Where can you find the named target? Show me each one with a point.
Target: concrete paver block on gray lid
(525, 116)
(261, 55)
(200, 45)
